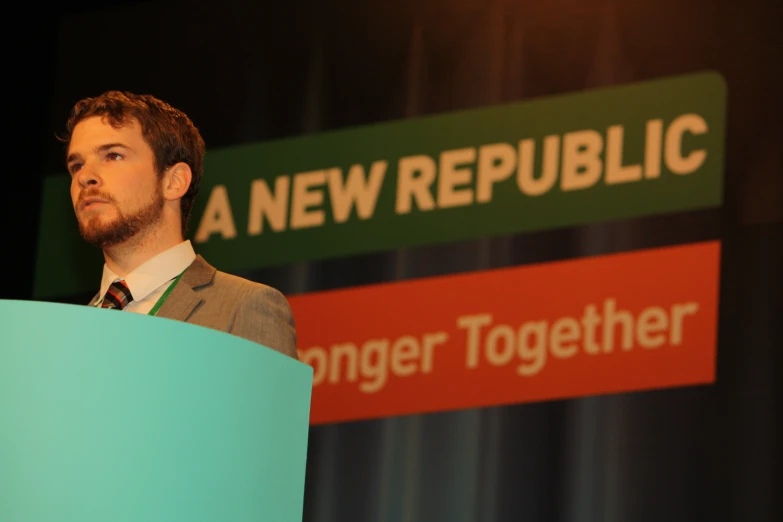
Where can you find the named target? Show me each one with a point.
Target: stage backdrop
(535, 247)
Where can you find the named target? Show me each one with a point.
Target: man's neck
(125, 258)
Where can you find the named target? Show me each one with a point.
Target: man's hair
(168, 131)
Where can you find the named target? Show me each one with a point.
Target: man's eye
(114, 155)
(73, 168)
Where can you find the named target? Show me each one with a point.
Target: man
(136, 165)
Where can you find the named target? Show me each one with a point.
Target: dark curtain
(252, 71)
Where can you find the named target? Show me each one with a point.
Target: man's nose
(88, 175)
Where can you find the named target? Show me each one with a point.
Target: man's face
(115, 189)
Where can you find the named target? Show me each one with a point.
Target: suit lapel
(185, 298)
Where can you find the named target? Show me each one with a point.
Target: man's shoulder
(253, 310)
(229, 286)
(230, 282)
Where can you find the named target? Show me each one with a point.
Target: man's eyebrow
(102, 148)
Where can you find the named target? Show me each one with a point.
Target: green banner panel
(587, 157)
(115, 416)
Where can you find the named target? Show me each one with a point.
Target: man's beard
(123, 227)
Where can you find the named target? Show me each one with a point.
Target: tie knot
(117, 296)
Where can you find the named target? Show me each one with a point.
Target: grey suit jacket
(208, 297)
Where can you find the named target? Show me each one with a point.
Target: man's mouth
(92, 203)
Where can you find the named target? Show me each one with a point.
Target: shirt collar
(152, 274)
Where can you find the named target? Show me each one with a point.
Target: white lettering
(416, 175)
(562, 339)
(495, 164)
(612, 318)
(263, 203)
(679, 311)
(675, 161)
(374, 365)
(652, 149)
(534, 353)
(526, 180)
(451, 175)
(650, 327)
(302, 216)
(356, 190)
(473, 323)
(500, 345)
(429, 343)
(616, 172)
(581, 160)
(217, 217)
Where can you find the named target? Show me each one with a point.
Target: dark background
(248, 71)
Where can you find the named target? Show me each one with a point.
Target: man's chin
(106, 230)
(103, 236)
(97, 239)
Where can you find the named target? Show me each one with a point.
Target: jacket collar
(184, 298)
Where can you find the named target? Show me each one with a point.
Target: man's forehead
(94, 131)
(102, 123)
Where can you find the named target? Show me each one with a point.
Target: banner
(605, 324)
(606, 154)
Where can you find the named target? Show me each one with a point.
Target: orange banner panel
(597, 325)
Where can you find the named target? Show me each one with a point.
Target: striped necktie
(117, 296)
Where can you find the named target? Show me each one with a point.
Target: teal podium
(110, 416)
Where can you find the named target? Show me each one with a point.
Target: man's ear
(176, 181)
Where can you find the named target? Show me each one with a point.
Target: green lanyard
(165, 295)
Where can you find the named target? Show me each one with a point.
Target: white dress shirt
(149, 281)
